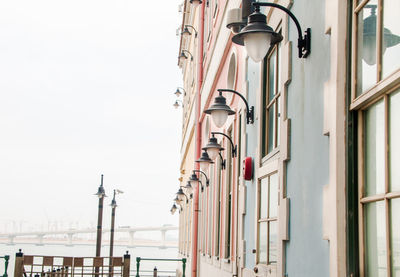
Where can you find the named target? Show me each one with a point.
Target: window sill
(271, 156)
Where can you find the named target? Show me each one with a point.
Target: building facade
(309, 187)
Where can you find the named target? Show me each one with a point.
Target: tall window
(376, 101)
(228, 199)
(218, 208)
(271, 101)
(268, 220)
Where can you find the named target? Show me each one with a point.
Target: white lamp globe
(219, 117)
(257, 45)
(213, 153)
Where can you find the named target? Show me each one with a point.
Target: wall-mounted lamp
(181, 196)
(195, 2)
(182, 57)
(173, 209)
(258, 37)
(213, 147)
(189, 188)
(234, 147)
(219, 111)
(204, 161)
(177, 201)
(178, 91)
(194, 180)
(176, 104)
(187, 33)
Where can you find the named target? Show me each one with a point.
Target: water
(89, 251)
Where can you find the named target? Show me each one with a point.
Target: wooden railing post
(127, 265)
(19, 264)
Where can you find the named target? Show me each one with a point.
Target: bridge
(69, 237)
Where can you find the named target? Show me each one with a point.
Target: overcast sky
(86, 89)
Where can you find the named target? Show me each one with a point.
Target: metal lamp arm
(182, 89)
(230, 140)
(302, 42)
(195, 31)
(191, 56)
(207, 180)
(223, 165)
(249, 110)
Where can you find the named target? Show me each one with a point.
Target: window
(218, 208)
(268, 220)
(228, 198)
(271, 101)
(375, 96)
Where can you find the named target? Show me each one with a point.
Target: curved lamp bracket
(234, 147)
(249, 110)
(207, 180)
(303, 43)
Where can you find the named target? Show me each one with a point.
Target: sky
(86, 88)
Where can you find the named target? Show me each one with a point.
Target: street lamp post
(113, 206)
(100, 194)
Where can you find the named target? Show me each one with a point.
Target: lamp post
(113, 206)
(100, 194)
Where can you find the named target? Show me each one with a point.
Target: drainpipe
(198, 140)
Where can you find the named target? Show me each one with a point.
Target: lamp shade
(185, 32)
(178, 92)
(182, 57)
(257, 36)
(219, 111)
(176, 105)
(213, 148)
(173, 209)
(181, 195)
(204, 161)
(100, 192)
(195, 2)
(193, 180)
(189, 188)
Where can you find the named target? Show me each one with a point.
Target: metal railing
(155, 271)
(6, 260)
(57, 266)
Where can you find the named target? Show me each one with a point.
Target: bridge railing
(156, 272)
(6, 260)
(57, 266)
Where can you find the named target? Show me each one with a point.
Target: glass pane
(271, 76)
(366, 47)
(374, 149)
(263, 197)
(262, 242)
(273, 196)
(273, 242)
(394, 141)
(375, 240)
(278, 125)
(395, 236)
(271, 128)
(391, 37)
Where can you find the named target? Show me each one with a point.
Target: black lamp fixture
(369, 37)
(214, 149)
(182, 57)
(204, 160)
(194, 180)
(187, 33)
(176, 104)
(173, 209)
(233, 146)
(195, 2)
(219, 111)
(177, 201)
(178, 91)
(181, 196)
(189, 188)
(258, 37)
